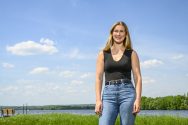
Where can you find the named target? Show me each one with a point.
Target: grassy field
(71, 119)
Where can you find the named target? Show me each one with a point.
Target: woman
(116, 61)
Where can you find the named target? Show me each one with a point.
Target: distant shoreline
(178, 102)
(52, 107)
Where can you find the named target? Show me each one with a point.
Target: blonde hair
(127, 41)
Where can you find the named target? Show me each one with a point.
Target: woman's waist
(109, 76)
(118, 81)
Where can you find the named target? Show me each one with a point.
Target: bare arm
(99, 81)
(137, 80)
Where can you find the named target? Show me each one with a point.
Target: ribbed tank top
(117, 69)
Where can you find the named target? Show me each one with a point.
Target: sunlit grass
(72, 119)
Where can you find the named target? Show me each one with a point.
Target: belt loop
(118, 81)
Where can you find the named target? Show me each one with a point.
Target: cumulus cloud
(44, 46)
(39, 70)
(31, 91)
(7, 65)
(151, 63)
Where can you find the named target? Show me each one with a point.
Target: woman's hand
(98, 107)
(136, 107)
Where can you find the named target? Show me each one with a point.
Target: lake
(181, 113)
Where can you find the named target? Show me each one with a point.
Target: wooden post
(26, 108)
(23, 109)
(1, 112)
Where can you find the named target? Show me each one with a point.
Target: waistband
(118, 81)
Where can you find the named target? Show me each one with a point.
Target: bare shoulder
(101, 55)
(134, 56)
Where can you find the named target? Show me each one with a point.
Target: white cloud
(146, 80)
(7, 65)
(39, 70)
(45, 46)
(178, 56)
(76, 74)
(10, 88)
(151, 63)
(76, 82)
(31, 91)
(47, 41)
(86, 75)
(67, 73)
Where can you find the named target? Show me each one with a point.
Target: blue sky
(48, 48)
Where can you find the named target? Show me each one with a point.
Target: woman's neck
(118, 47)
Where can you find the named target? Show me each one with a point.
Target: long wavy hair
(126, 42)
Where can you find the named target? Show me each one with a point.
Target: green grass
(161, 120)
(71, 119)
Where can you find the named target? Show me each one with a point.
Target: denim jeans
(118, 99)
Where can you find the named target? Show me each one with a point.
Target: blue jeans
(118, 99)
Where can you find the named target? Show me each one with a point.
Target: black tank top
(117, 69)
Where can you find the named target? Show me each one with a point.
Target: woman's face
(119, 34)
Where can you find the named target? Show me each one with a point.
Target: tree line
(178, 102)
